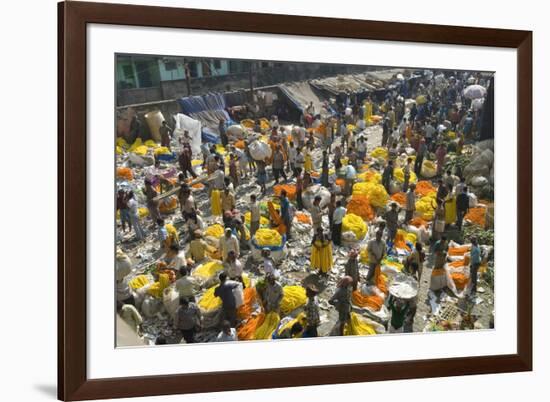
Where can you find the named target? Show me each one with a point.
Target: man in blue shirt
(475, 261)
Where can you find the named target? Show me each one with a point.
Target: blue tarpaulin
(209, 109)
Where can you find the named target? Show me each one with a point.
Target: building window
(217, 64)
(265, 64)
(192, 69)
(128, 71)
(170, 65)
(234, 66)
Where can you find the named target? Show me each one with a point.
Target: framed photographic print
(253, 200)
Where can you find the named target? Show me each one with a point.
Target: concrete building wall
(273, 74)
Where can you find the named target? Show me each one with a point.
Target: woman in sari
(321, 252)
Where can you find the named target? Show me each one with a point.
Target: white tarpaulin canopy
(186, 123)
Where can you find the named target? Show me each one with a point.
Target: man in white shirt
(429, 131)
(229, 242)
(217, 180)
(292, 157)
(186, 285)
(316, 214)
(227, 334)
(134, 216)
(268, 264)
(337, 217)
(255, 215)
(175, 258)
(299, 162)
(233, 267)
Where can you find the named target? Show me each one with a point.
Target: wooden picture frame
(73, 17)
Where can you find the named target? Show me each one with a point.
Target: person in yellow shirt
(198, 247)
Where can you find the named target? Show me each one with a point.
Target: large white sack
(235, 131)
(141, 160)
(150, 306)
(259, 150)
(123, 265)
(171, 301)
(309, 195)
(154, 120)
(194, 127)
(479, 181)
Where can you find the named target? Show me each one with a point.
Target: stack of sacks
(458, 270)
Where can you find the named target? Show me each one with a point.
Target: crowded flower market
(344, 203)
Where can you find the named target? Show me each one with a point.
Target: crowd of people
(329, 150)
